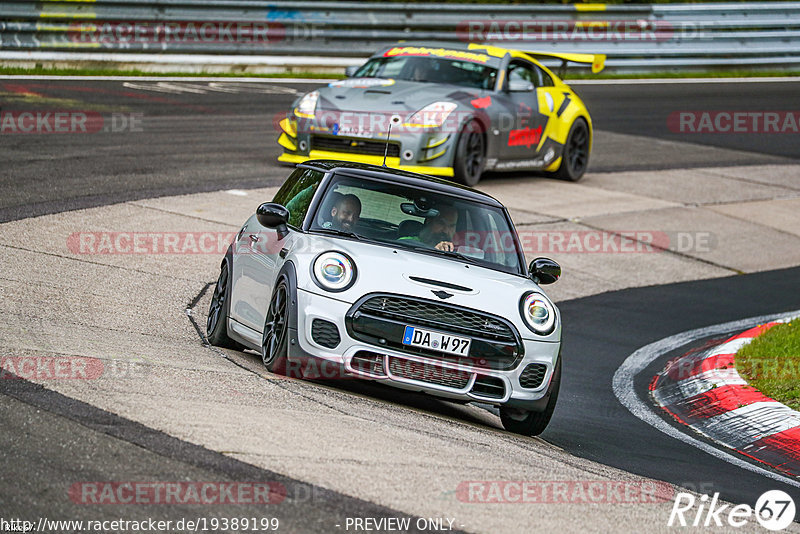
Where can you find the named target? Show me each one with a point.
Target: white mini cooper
(395, 277)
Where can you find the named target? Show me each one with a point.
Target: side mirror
(544, 271)
(520, 86)
(350, 71)
(272, 215)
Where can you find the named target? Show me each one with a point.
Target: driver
(439, 231)
(422, 71)
(344, 213)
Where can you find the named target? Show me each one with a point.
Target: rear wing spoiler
(597, 61)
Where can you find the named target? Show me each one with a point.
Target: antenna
(394, 120)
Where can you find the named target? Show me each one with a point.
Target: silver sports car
(355, 270)
(455, 111)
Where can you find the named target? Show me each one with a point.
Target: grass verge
(771, 363)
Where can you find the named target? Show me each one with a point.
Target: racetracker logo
(105, 243)
(67, 122)
(493, 31)
(177, 492)
(734, 122)
(532, 242)
(774, 510)
(354, 125)
(588, 241)
(563, 492)
(50, 368)
(176, 32)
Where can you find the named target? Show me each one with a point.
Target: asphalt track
(189, 138)
(194, 142)
(51, 434)
(603, 330)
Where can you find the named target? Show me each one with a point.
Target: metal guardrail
(634, 37)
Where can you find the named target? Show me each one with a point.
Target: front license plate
(428, 339)
(350, 131)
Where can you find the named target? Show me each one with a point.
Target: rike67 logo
(774, 510)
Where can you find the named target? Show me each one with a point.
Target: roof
(494, 51)
(402, 177)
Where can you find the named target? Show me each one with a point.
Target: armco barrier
(634, 37)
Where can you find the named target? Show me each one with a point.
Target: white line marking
(158, 88)
(730, 347)
(639, 360)
(748, 424)
(697, 385)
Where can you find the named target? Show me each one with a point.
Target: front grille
(325, 333)
(429, 374)
(367, 362)
(489, 386)
(381, 319)
(435, 315)
(354, 146)
(533, 375)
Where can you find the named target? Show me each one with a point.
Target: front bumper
(448, 379)
(425, 152)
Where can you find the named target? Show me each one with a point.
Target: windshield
(421, 220)
(430, 69)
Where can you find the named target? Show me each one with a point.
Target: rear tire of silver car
(470, 156)
(575, 158)
(217, 322)
(274, 341)
(533, 423)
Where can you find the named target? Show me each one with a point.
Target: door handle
(254, 238)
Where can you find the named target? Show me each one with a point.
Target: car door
(553, 101)
(257, 250)
(523, 127)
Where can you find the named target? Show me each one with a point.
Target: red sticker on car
(482, 103)
(525, 137)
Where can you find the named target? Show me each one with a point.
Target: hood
(388, 96)
(397, 270)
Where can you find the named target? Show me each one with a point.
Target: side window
(529, 73)
(297, 192)
(544, 79)
(522, 72)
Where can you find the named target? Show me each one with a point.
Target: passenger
(344, 213)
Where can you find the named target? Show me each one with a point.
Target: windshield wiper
(449, 253)
(334, 231)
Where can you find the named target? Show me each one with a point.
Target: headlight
(431, 115)
(307, 105)
(334, 271)
(538, 313)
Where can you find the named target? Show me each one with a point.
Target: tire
(575, 158)
(533, 423)
(470, 156)
(217, 321)
(275, 339)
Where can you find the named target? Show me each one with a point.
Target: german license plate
(351, 131)
(428, 339)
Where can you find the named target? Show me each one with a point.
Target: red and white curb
(704, 392)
